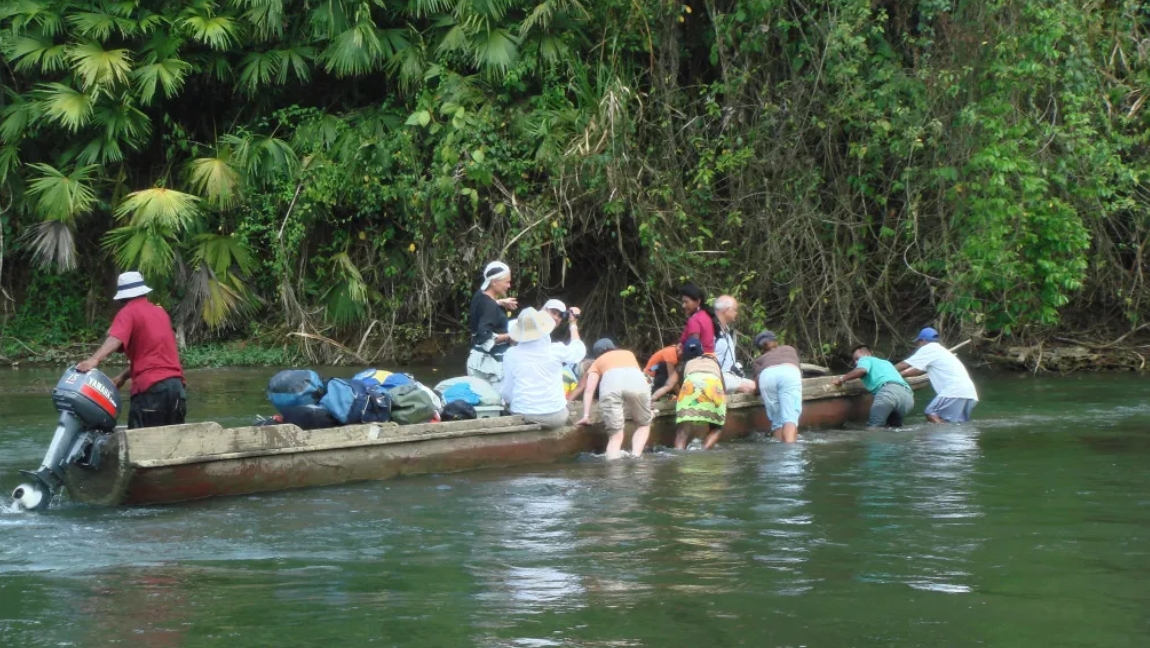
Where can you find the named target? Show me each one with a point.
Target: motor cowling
(93, 397)
(89, 404)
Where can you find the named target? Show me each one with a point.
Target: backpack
(351, 401)
(294, 388)
(459, 410)
(410, 404)
(461, 391)
(396, 380)
(309, 417)
(372, 377)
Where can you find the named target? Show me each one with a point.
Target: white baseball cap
(555, 304)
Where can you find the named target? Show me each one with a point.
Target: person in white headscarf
(489, 338)
(533, 370)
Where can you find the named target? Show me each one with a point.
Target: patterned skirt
(701, 400)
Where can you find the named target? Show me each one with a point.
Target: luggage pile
(303, 398)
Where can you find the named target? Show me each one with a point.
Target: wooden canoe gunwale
(198, 460)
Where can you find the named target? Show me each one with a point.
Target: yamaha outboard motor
(89, 404)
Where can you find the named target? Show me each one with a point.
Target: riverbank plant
(340, 171)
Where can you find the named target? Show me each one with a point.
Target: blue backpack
(294, 388)
(351, 401)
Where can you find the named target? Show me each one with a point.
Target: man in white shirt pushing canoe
(955, 396)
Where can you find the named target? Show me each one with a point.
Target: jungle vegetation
(336, 172)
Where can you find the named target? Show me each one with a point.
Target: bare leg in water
(682, 436)
(789, 433)
(615, 445)
(712, 438)
(639, 439)
(934, 418)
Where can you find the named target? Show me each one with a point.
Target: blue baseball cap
(927, 334)
(692, 349)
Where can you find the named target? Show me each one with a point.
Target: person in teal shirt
(893, 398)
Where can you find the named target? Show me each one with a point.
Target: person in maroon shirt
(143, 331)
(701, 321)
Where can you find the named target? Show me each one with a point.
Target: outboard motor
(89, 404)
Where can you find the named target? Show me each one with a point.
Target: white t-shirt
(533, 375)
(947, 375)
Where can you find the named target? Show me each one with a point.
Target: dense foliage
(340, 170)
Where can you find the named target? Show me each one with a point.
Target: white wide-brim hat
(531, 325)
(129, 285)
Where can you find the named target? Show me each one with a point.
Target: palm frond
(60, 196)
(122, 120)
(97, 66)
(347, 296)
(328, 18)
(545, 12)
(216, 180)
(223, 254)
(355, 51)
(261, 158)
(53, 245)
(216, 292)
(101, 150)
(9, 161)
(148, 249)
(298, 61)
(168, 73)
(257, 69)
(495, 51)
(160, 208)
(65, 105)
(30, 14)
(16, 118)
(425, 8)
(265, 16)
(32, 54)
(219, 32)
(97, 25)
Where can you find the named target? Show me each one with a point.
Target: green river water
(1030, 527)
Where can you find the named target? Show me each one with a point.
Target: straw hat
(129, 285)
(531, 325)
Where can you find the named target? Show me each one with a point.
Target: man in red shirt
(143, 331)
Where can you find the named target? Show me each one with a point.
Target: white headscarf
(494, 270)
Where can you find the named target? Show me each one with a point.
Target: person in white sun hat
(143, 331)
(489, 339)
(533, 370)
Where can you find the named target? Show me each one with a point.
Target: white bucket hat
(494, 270)
(531, 325)
(555, 304)
(129, 285)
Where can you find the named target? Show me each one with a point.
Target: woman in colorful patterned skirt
(702, 399)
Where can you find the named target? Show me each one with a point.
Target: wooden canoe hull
(200, 460)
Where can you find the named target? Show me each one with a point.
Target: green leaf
(60, 196)
(97, 66)
(67, 106)
(419, 118)
(160, 208)
(216, 180)
(32, 54)
(168, 73)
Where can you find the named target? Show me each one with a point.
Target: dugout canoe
(200, 460)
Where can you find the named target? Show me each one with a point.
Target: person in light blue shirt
(893, 398)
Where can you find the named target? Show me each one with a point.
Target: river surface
(1030, 527)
